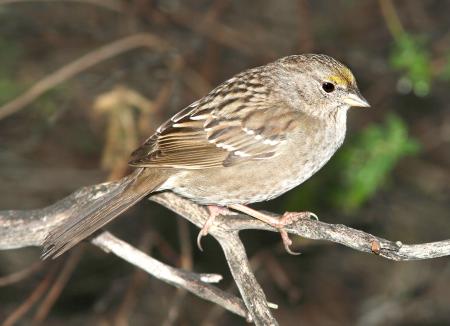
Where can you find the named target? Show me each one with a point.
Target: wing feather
(222, 129)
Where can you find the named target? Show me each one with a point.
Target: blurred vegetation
(359, 169)
(10, 57)
(365, 164)
(391, 176)
(410, 55)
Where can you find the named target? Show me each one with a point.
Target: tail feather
(96, 214)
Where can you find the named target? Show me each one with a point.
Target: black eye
(328, 87)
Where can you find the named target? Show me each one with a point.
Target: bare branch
(34, 296)
(20, 275)
(195, 283)
(310, 229)
(58, 286)
(29, 228)
(248, 286)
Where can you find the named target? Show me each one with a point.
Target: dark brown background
(391, 178)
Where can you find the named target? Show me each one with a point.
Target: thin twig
(187, 264)
(136, 283)
(58, 286)
(20, 275)
(29, 228)
(37, 293)
(391, 18)
(197, 284)
(77, 66)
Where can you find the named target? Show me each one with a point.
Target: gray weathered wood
(29, 228)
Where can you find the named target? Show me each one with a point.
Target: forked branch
(28, 228)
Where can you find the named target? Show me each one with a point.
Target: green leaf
(366, 163)
(357, 171)
(411, 57)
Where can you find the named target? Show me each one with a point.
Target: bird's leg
(279, 223)
(213, 211)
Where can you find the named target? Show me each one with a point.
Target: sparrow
(254, 137)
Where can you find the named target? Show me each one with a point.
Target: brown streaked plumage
(254, 137)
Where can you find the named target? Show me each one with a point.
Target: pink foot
(286, 219)
(214, 211)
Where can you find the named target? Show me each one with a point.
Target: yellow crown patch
(344, 78)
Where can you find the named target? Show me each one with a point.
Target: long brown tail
(94, 215)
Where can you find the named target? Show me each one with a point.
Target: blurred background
(83, 82)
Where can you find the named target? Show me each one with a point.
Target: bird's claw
(200, 235)
(313, 216)
(213, 211)
(287, 242)
(288, 218)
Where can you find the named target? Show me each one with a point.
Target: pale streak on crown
(341, 74)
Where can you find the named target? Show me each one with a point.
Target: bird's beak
(356, 99)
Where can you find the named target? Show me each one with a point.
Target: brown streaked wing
(222, 133)
(263, 130)
(179, 143)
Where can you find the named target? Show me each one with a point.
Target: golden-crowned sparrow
(254, 137)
